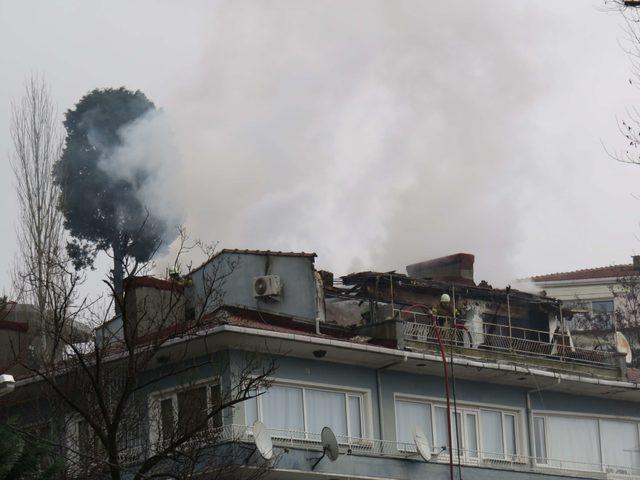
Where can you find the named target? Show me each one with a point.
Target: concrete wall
(232, 275)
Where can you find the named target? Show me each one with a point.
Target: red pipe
(446, 381)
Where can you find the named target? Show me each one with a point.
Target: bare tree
(104, 389)
(37, 144)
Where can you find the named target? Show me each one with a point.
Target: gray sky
(376, 134)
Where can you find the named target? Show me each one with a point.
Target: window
(410, 415)
(602, 306)
(185, 411)
(300, 411)
(584, 443)
(619, 445)
(573, 443)
(85, 449)
(492, 434)
(540, 441)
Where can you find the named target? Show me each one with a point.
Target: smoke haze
(148, 159)
(376, 134)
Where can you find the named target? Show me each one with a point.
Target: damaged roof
(479, 292)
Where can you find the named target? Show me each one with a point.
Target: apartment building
(417, 375)
(597, 290)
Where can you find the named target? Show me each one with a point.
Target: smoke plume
(147, 158)
(374, 133)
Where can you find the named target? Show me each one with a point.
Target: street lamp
(7, 384)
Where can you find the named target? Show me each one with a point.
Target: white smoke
(148, 157)
(374, 133)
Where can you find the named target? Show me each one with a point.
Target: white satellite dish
(422, 444)
(623, 346)
(263, 441)
(329, 446)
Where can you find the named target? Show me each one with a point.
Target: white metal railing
(401, 450)
(419, 327)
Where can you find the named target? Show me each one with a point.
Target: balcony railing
(291, 439)
(419, 328)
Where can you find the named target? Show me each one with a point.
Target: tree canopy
(24, 458)
(103, 208)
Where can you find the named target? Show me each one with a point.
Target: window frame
(156, 398)
(363, 394)
(80, 460)
(465, 408)
(545, 414)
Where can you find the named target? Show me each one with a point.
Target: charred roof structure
(439, 302)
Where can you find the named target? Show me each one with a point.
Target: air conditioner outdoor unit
(267, 287)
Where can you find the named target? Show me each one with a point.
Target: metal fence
(291, 439)
(418, 327)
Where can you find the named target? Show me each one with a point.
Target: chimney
(636, 262)
(456, 268)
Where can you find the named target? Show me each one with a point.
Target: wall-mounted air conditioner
(267, 287)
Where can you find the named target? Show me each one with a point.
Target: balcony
(489, 341)
(285, 440)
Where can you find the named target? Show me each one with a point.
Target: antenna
(263, 441)
(422, 445)
(623, 346)
(329, 446)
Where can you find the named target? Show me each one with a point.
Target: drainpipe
(379, 389)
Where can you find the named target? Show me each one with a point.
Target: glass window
(510, 434)
(187, 411)
(85, 438)
(540, 443)
(456, 428)
(492, 432)
(215, 396)
(192, 410)
(167, 418)
(410, 415)
(491, 428)
(300, 411)
(573, 443)
(355, 417)
(620, 444)
(282, 408)
(326, 409)
(472, 434)
(251, 410)
(441, 436)
(602, 306)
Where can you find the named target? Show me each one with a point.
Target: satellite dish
(623, 346)
(422, 444)
(263, 441)
(329, 444)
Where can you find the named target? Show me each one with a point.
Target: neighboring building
(366, 356)
(593, 290)
(21, 336)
